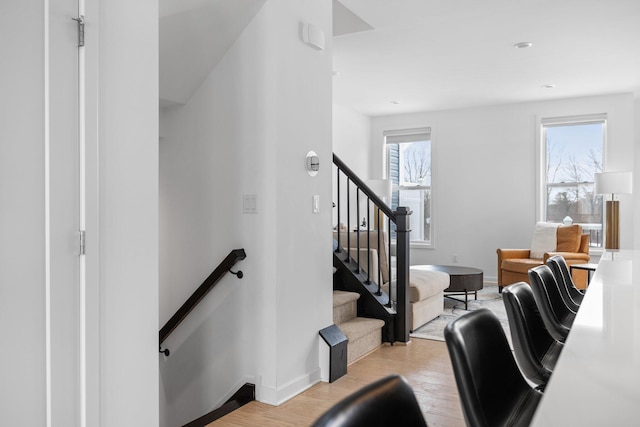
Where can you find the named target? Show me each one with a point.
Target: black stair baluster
(338, 209)
(348, 217)
(368, 241)
(357, 269)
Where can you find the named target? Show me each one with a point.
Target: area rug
(488, 297)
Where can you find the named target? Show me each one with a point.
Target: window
(409, 169)
(573, 153)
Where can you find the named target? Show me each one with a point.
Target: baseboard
(280, 395)
(244, 380)
(242, 396)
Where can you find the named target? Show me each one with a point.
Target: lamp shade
(613, 183)
(382, 188)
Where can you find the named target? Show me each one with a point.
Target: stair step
(359, 327)
(344, 306)
(344, 297)
(364, 335)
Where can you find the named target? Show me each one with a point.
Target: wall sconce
(312, 163)
(313, 36)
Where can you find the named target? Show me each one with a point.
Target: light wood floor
(424, 363)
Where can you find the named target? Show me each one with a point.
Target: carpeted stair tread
(344, 297)
(364, 335)
(359, 327)
(345, 306)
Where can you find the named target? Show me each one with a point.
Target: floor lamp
(612, 183)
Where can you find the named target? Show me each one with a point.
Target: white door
(40, 266)
(63, 179)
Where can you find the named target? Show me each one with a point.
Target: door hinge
(82, 242)
(80, 21)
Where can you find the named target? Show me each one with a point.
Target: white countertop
(596, 381)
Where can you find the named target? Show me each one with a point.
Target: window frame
(541, 157)
(408, 133)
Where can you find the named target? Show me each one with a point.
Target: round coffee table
(462, 280)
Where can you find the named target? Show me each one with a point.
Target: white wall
(636, 177)
(352, 144)
(352, 139)
(126, 129)
(303, 258)
(247, 131)
(22, 257)
(485, 173)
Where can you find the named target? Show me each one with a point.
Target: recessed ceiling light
(548, 86)
(523, 45)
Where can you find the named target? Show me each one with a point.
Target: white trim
(421, 244)
(90, 340)
(82, 220)
(407, 131)
(400, 136)
(413, 135)
(293, 388)
(432, 244)
(578, 120)
(541, 150)
(47, 218)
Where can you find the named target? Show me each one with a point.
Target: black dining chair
(492, 390)
(557, 317)
(387, 402)
(535, 349)
(572, 295)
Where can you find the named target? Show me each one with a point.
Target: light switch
(249, 204)
(316, 204)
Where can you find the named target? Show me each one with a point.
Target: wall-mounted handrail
(208, 284)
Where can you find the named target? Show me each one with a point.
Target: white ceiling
(444, 54)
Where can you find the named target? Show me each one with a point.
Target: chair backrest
(585, 241)
(550, 302)
(387, 402)
(489, 381)
(552, 237)
(569, 238)
(531, 339)
(560, 270)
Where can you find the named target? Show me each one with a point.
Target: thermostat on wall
(313, 36)
(312, 163)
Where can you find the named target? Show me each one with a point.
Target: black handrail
(364, 188)
(208, 284)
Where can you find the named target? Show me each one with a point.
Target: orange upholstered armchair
(548, 240)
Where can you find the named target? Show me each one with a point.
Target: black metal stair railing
(197, 296)
(356, 200)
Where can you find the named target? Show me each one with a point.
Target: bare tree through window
(410, 172)
(574, 153)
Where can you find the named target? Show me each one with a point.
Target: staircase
(352, 245)
(364, 334)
